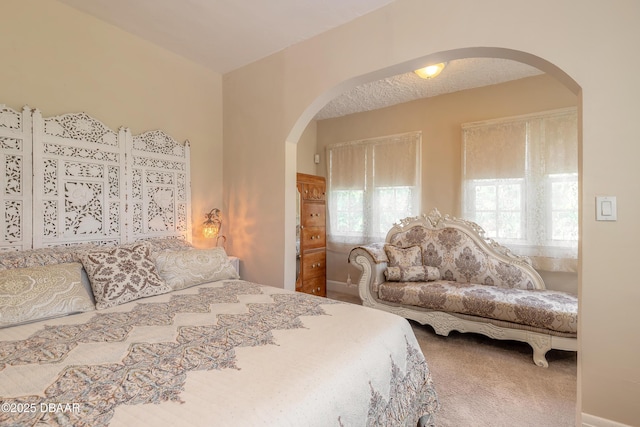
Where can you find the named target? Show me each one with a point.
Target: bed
(109, 316)
(225, 353)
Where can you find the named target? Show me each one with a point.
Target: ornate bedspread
(225, 353)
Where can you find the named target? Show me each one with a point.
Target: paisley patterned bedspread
(228, 353)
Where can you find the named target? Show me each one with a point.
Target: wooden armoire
(312, 271)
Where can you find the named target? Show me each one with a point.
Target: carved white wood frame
(79, 181)
(159, 186)
(15, 179)
(436, 221)
(92, 184)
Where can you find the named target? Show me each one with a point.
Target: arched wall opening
(433, 58)
(550, 69)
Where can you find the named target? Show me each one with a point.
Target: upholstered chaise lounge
(443, 271)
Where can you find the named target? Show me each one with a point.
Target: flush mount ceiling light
(430, 71)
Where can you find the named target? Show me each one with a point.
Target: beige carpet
(489, 383)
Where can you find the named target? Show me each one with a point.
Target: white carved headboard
(78, 181)
(91, 184)
(15, 179)
(159, 191)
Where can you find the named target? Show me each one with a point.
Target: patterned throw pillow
(182, 269)
(403, 257)
(416, 273)
(43, 292)
(122, 274)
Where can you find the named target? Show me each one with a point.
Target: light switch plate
(606, 208)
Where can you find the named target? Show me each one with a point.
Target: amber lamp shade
(211, 227)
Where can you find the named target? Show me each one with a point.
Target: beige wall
(440, 119)
(306, 149)
(59, 60)
(268, 104)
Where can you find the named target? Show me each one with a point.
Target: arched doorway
(562, 78)
(447, 177)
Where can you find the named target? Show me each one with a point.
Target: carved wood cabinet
(312, 277)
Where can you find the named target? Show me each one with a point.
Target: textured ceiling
(458, 75)
(224, 35)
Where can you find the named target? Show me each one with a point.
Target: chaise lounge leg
(540, 345)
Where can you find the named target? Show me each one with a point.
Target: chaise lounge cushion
(538, 308)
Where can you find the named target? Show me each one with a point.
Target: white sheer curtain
(520, 183)
(371, 184)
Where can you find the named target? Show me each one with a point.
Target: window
(498, 207)
(372, 184)
(563, 218)
(520, 183)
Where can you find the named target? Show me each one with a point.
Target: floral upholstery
(539, 308)
(414, 273)
(459, 258)
(403, 257)
(375, 251)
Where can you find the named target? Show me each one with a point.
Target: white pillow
(182, 269)
(44, 292)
